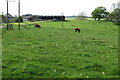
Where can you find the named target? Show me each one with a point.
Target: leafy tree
(10, 18)
(21, 19)
(99, 12)
(112, 16)
(82, 15)
(115, 14)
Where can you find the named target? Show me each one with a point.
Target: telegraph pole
(7, 16)
(62, 20)
(19, 14)
(2, 16)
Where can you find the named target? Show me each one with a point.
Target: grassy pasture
(56, 52)
(0, 52)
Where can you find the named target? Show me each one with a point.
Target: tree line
(98, 14)
(102, 13)
(114, 16)
(10, 18)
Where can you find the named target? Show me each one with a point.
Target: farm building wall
(41, 18)
(53, 18)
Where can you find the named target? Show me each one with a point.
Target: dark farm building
(42, 18)
(53, 18)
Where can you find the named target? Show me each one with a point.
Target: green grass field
(0, 52)
(56, 52)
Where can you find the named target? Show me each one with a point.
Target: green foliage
(99, 12)
(55, 52)
(11, 19)
(112, 16)
(0, 53)
(115, 16)
(21, 19)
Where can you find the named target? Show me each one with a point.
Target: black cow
(37, 25)
(77, 30)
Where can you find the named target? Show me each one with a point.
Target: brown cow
(77, 30)
(37, 25)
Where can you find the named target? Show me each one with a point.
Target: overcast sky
(55, 7)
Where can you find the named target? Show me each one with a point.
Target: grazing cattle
(77, 30)
(37, 25)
